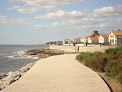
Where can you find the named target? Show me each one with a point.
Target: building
(67, 41)
(81, 39)
(84, 39)
(115, 37)
(77, 39)
(103, 38)
(55, 43)
(93, 39)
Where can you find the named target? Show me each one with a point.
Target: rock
(2, 76)
(14, 76)
(44, 53)
(2, 87)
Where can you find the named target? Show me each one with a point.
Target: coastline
(45, 76)
(11, 77)
(14, 76)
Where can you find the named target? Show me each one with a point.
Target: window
(111, 36)
(115, 41)
(112, 41)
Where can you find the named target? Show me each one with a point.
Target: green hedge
(109, 61)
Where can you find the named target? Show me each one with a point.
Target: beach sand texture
(60, 73)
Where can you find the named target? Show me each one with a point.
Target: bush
(113, 67)
(80, 43)
(103, 43)
(120, 77)
(75, 43)
(95, 43)
(66, 42)
(99, 63)
(109, 61)
(111, 50)
(86, 57)
(114, 50)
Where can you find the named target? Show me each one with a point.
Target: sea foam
(21, 55)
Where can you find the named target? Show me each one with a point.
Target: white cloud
(76, 24)
(87, 26)
(84, 24)
(33, 6)
(118, 23)
(80, 22)
(6, 20)
(42, 27)
(62, 14)
(55, 24)
(107, 11)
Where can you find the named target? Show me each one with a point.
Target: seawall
(80, 49)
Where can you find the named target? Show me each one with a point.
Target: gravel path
(59, 74)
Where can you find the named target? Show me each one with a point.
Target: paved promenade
(59, 74)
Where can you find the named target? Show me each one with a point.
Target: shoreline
(35, 78)
(14, 76)
(11, 77)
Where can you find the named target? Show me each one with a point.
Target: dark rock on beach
(2, 76)
(44, 53)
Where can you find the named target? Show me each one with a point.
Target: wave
(21, 55)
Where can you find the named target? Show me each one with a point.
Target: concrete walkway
(59, 74)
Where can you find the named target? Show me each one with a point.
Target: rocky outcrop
(44, 53)
(14, 76)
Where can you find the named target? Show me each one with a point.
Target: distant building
(55, 43)
(103, 38)
(81, 39)
(115, 37)
(93, 39)
(67, 41)
(77, 39)
(84, 39)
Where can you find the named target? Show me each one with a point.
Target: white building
(103, 38)
(81, 39)
(84, 39)
(115, 37)
(92, 39)
(77, 39)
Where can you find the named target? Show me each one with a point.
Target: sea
(12, 57)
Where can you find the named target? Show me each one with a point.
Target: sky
(40, 21)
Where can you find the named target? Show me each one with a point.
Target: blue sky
(40, 21)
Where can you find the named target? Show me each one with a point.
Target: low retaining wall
(65, 48)
(93, 49)
(79, 49)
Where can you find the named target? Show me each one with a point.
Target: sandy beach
(61, 73)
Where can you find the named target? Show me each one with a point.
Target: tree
(95, 33)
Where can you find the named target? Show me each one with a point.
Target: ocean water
(12, 57)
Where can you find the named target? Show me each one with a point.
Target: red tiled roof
(103, 35)
(78, 38)
(117, 32)
(94, 38)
